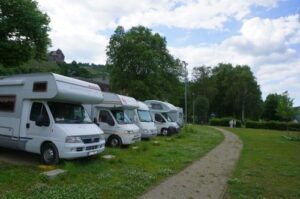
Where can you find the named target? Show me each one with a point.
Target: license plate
(92, 152)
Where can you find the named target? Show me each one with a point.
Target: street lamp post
(185, 90)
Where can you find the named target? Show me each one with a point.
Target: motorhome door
(38, 126)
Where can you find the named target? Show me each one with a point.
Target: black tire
(114, 141)
(49, 154)
(164, 132)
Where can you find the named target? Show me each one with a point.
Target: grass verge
(269, 166)
(133, 170)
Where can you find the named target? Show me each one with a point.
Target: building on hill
(57, 56)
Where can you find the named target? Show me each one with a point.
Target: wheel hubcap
(114, 142)
(165, 132)
(49, 155)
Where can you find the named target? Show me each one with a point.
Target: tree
(201, 109)
(278, 107)
(230, 91)
(285, 109)
(270, 107)
(23, 32)
(141, 66)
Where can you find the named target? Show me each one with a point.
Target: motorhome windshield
(121, 117)
(68, 113)
(167, 117)
(144, 116)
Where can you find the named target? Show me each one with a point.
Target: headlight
(102, 137)
(73, 139)
(130, 132)
(146, 131)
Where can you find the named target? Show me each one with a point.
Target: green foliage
(223, 122)
(23, 32)
(279, 107)
(275, 125)
(231, 91)
(285, 109)
(141, 66)
(201, 109)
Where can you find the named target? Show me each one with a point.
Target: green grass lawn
(269, 166)
(130, 174)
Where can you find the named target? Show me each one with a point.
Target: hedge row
(223, 122)
(275, 125)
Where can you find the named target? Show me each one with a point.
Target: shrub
(255, 125)
(274, 125)
(223, 122)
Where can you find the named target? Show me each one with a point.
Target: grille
(91, 147)
(90, 139)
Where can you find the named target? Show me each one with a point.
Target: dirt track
(207, 177)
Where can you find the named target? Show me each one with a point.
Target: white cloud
(263, 44)
(76, 24)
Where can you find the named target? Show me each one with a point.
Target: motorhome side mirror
(42, 121)
(96, 122)
(135, 119)
(110, 122)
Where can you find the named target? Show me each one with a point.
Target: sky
(264, 34)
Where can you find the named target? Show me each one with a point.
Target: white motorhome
(111, 117)
(42, 113)
(177, 116)
(141, 116)
(162, 112)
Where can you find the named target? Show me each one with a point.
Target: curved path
(205, 178)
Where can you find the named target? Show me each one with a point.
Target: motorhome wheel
(164, 132)
(49, 154)
(114, 141)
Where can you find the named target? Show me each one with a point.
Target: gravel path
(206, 178)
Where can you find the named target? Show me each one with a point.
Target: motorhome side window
(104, 116)
(38, 109)
(159, 118)
(7, 103)
(156, 106)
(39, 87)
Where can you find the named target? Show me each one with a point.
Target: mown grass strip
(269, 166)
(133, 171)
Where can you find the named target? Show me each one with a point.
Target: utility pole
(193, 108)
(185, 89)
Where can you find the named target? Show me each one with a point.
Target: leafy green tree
(23, 32)
(270, 107)
(141, 66)
(285, 109)
(201, 109)
(230, 91)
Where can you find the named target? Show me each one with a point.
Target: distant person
(234, 123)
(231, 123)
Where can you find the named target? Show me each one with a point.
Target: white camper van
(177, 116)
(111, 117)
(161, 112)
(141, 116)
(43, 114)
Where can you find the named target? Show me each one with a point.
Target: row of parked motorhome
(59, 117)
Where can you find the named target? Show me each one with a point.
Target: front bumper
(150, 134)
(131, 138)
(77, 150)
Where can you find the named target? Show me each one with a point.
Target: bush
(223, 122)
(274, 125)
